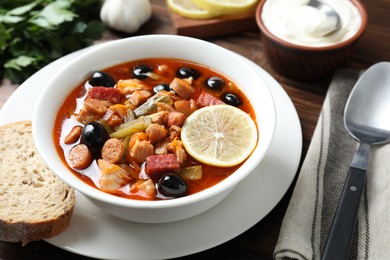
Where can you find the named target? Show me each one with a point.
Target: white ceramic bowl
(140, 47)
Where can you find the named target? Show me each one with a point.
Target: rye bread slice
(34, 203)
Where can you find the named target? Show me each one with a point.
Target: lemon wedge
(188, 9)
(219, 135)
(226, 7)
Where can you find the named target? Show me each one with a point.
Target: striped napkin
(309, 216)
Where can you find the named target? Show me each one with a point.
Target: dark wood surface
(307, 96)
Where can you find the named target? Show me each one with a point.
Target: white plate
(96, 234)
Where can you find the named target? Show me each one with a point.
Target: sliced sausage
(74, 134)
(113, 150)
(182, 88)
(80, 157)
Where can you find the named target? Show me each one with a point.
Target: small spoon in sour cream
(331, 14)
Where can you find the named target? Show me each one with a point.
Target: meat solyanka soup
(120, 130)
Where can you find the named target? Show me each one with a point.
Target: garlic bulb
(125, 15)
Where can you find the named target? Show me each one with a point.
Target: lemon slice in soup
(219, 135)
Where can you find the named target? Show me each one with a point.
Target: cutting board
(205, 28)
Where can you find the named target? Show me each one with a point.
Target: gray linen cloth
(309, 216)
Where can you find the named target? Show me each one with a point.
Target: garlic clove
(125, 15)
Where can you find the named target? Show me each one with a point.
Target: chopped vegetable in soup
(119, 131)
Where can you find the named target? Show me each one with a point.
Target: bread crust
(34, 203)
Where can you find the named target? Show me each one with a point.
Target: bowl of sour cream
(298, 38)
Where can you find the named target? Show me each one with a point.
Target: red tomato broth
(65, 120)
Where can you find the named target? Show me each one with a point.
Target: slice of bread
(34, 203)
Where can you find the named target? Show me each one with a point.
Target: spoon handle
(340, 236)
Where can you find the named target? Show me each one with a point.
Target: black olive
(172, 185)
(94, 136)
(140, 71)
(185, 72)
(160, 87)
(214, 83)
(231, 99)
(100, 78)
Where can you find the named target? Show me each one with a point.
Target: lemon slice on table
(224, 7)
(188, 9)
(219, 135)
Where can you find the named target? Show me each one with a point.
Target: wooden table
(307, 96)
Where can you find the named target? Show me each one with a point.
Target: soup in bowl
(137, 126)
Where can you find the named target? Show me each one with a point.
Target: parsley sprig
(35, 33)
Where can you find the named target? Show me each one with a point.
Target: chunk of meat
(95, 106)
(114, 120)
(163, 68)
(161, 106)
(112, 95)
(73, 135)
(80, 157)
(113, 150)
(141, 150)
(182, 88)
(119, 109)
(139, 97)
(205, 99)
(161, 163)
(87, 117)
(175, 118)
(159, 117)
(133, 169)
(128, 86)
(144, 188)
(140, 147)
(174, 132)
(161, 147)
(113, 176)
(187, 107)
(139, 136)
(156, 133)
(177, 148)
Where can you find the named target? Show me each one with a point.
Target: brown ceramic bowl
(303, 62)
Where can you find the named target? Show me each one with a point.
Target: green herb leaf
(22, 9)
(54, 14)
(19, 62)
(35, 33)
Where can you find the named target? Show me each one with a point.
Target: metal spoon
(329, 11)
(366, 118)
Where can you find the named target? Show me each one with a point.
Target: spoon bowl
(366, 118)
(330, 13)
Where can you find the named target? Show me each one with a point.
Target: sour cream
(296, 22)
